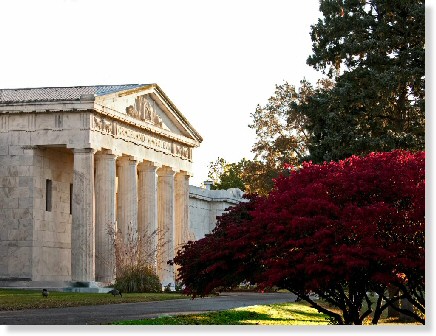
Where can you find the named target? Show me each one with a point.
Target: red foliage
(224, 258)
(339, 230)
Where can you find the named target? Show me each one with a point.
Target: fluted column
(182, 233)
(82, 228)
(147, 212)
(166, 195)
(105, 171)
(127, 200)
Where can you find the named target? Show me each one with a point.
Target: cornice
(117, 116)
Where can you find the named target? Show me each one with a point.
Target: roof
(72, 93)
(60, 93)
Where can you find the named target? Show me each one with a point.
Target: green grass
(274, 314)
(13, 299)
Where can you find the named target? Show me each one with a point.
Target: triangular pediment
(149, 105)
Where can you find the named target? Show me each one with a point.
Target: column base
(58, 286)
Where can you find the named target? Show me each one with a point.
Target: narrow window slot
(48, 195)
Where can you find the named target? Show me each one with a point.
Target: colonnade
(137, 198)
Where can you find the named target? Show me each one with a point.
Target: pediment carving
(144, 111)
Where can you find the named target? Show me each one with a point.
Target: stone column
(147, 212)
(82, 228)
(105, 217)
(127, 201)
(182, 233)
(166, 214)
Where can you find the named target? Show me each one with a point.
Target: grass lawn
(274, 314)
(13, 299)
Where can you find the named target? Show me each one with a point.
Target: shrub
(138, 279)
(135, 260)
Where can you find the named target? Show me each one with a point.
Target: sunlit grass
(12, 299)
(274, 314)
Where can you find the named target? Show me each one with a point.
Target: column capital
(105, 151)
(148, 166)
(124, 160)
(184, 173)
(84, 150)
(166, 171)
(105, 156)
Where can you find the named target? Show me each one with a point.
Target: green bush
(137, 279)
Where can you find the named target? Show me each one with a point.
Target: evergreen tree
(374, 50)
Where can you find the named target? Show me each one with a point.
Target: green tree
(258, 176)
(251, 176)
(226, 175)
(282, 137)
(372, 100)
(375, 52)
(281, 130)
(282, 134)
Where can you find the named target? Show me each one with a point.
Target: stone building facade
(77, 161)
(206, 205)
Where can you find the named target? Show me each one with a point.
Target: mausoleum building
(78, 162)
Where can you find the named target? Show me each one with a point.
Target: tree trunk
(392, 291)
(405, 304)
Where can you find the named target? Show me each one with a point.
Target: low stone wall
(205, 205)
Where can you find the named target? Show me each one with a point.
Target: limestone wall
(16, 206)
(52, 228)
(34, 241)
(205, 205)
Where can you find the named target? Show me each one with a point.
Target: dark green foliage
(375, 51)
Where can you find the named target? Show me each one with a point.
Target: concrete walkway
(104, 314)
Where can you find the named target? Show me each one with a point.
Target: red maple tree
(337, 231)
(224, 258)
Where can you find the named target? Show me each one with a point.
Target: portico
(134, 198)
(119, 156)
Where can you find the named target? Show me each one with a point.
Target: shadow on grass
(238, 318)
(214, 318)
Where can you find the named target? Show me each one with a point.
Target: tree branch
(320, 309)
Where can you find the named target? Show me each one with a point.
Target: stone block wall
(52, 227)
(205, 205)
(16, 205)
(34, 243)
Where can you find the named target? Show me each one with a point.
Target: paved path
(104, 314)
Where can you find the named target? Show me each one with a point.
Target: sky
(216, 60)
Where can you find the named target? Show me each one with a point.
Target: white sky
(216, 60)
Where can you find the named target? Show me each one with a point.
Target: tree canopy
(225, 175)
(251, 176)
(374, 50)
(337, 230)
